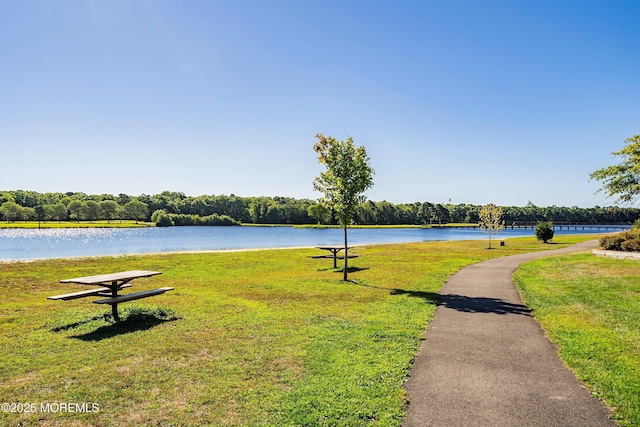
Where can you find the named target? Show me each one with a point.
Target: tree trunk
(346, 254)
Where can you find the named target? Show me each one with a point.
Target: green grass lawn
(269, 337)
(590, 307)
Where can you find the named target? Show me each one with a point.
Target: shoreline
(276, 248)
(195, 252)
(206, 251)
(494, 238)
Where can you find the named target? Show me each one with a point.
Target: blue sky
(469, 101)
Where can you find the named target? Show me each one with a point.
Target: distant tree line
(178, 209)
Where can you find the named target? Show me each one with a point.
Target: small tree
(623, 180)
(348, 175)
(490, 220)
(75, 208)
(544, 231)
(28, 214)
(135, 209)
(320, 213)
(59, 211)
(258, 209)
(90, 210)
(41, 214)
(109, 210)
(11, 211)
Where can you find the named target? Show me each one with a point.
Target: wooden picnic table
(109, 286)
(334, 253)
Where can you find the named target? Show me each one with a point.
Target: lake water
(20, 244)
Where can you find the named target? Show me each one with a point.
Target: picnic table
(109, 286)
(334, 253)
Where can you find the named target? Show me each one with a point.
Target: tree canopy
(289, 210)
(490, 220)
(622, 180)
(347, 176)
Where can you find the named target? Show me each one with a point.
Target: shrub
(184, 219)
(630, 234)
(626, 241)
(611, 243)
(161, 218)
(544, 231)
(216, 219)
(155, 214)
(632, 245)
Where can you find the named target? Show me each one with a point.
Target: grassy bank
(75, 224)
(590, 307)
(268, 337)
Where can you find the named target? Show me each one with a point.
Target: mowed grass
(590, 307)
(269, 337)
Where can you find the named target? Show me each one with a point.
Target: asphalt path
(485, 361)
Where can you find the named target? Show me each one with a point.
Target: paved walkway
(486, 362)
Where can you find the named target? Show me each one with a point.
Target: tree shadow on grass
(461, 303)
(468, 304)
(428, 297)
(134, 319)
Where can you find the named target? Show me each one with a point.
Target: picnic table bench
(334, 254)
(110, 285)
(131, 297)
(83, 294)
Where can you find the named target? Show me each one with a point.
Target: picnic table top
(332, 248)
(106, 279)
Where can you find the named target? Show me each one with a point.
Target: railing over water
(557, 225)
(561, 225)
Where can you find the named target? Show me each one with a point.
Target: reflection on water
(27, 244)
(57, 233)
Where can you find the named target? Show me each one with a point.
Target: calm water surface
(18, 244)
